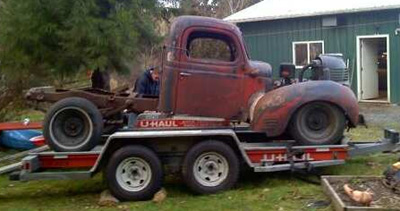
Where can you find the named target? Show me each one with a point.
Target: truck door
(209, 77)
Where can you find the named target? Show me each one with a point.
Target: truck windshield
(211, 46)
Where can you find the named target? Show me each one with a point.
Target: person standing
(147, 85)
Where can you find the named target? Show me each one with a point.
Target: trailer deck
(262, 157)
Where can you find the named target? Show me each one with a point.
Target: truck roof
(183, 22)
(188, 20)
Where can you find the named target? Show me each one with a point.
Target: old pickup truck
(207, 81)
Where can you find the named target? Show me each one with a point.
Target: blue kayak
(19, 139)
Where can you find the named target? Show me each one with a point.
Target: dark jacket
(145, 85)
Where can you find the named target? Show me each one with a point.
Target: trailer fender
(121, 139)
(272, 112)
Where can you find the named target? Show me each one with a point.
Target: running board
(301, 165)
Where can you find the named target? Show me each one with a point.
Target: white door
(369, 69)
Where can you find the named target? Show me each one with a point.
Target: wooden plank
(10, 168)
(16, 166)
(24, 153)
(337, 202)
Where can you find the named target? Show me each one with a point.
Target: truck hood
(262, 69)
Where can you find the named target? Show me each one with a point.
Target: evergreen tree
(48, 41)
(61, 37)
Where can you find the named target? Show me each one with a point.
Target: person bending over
(147, 85)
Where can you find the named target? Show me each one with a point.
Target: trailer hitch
(389, 143)
(391, 135)
(299, 173)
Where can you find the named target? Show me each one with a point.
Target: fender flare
(273, 111)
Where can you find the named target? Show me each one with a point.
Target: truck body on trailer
(193, 127)
(222, 83)
(134, 162)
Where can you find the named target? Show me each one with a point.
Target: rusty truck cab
(207, 72)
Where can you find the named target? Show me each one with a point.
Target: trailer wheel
(318, 123)
(73, 124)
(134, 173)
(210, 167)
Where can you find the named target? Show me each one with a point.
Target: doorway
(373, 68)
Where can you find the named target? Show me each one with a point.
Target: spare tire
(73, 124)
(318, 123)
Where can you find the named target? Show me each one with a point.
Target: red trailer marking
(309, 154)
(20, 125)
(179, 123)
(68, 161)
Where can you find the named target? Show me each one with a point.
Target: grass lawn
(261, 191)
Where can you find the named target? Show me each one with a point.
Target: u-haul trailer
(209, 159)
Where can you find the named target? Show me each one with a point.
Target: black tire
(318, 123)
(73, 124)
(149, 176)
(192, 167)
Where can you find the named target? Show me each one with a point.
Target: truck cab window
(214, 47)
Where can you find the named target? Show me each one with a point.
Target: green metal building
(366, 32)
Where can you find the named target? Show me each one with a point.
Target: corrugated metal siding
(271, 41)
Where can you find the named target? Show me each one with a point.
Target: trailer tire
(210, 167)
(73, 124)
(318, 123)
(134, 173)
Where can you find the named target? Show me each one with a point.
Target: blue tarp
(18, 139)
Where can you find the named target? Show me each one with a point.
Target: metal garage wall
(271, 41)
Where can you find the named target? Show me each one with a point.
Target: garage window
(305, 51)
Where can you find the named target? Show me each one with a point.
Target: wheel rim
(318, 122)
(71, 127)
(210, 169)
(133, 174)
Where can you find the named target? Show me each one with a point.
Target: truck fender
(272, 112)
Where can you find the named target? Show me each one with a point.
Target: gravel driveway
(380, 114)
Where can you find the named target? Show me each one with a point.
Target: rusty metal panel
(109, 103)
(204, 87)
(273, 111)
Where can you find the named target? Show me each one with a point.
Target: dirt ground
(380, 114)
(382, 196)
